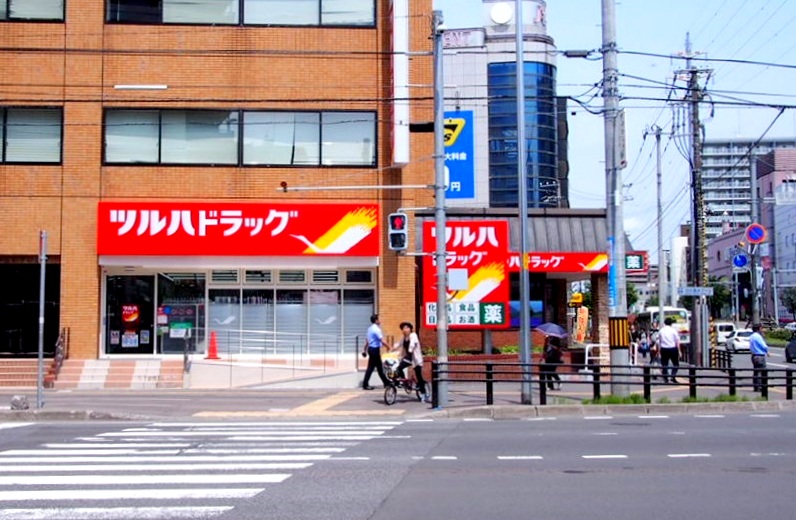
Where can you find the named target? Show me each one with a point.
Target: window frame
(4, 136)
(241, 136)
(62, 19)
(242, 19)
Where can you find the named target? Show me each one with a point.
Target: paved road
(707, 466)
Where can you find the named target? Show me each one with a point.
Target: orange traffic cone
(212, 348)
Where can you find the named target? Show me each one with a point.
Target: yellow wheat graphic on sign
(482, 282)
(354, 227)
(598, 263)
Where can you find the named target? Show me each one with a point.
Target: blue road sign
(755, 233)
(740, 260)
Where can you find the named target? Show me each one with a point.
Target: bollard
(692, 382)
(434, 384)
(733, 381)
(647, 384)
(490, 397)
(789, 384)
(596, 381)
(764, 384)
(542, 392)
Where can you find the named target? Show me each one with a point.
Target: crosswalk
(167, 470)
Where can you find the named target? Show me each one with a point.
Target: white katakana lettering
(233, 219)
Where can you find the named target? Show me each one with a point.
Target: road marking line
(520, 457)
(272, 424)
(766, 415)
(420, 420)
(477, 419)
(350, 458)
(242, 466)
(83, 446)
(120, 480)
(146, 458)
(58, 495)
(444, 457)
(598, 417)
(676, 433)
(687, 455)
(654, 417)
(92, 451)
(540, 419)
(112, 513)
(325, 413)
(715, 416)
(417, 458)
(604, 456)
(231, 451)
(8, 426)
(605, 433)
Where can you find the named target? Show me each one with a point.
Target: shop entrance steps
(121, 374)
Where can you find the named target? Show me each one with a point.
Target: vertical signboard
(478, 287)
(459, 159)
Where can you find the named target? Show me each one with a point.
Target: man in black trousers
(375, 342)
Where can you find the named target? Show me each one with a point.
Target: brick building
(150, 140)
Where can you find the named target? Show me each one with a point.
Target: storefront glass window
(325, 320)
(358, 306)
(291, 321)
(129, 314)
(258, 320)
(181, 312)
(223, 318)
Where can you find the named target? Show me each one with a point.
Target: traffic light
(399, 231)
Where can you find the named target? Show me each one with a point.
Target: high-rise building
(480, 88)
(726, 180)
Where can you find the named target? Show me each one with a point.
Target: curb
(503, 412)
(71, 415)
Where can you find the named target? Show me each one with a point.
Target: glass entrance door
(130, 314)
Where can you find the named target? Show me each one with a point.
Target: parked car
(723, 330)
(738, 340)
(791, 326)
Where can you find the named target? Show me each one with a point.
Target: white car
(791, 326)
(723, 331)
(738, 340)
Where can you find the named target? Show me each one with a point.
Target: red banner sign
(478, 277)
(237, 229)
(562, 262)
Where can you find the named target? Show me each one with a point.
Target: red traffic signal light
(398, 237)
(397, 222)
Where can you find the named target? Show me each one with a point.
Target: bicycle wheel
(390, 394)
(409, 387)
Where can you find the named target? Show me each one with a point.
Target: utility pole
(753, 248)
(437, 30)
(661, 263)
(698, 251)
(618, 331)
(522, 203)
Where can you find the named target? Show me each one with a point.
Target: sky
(745, 30)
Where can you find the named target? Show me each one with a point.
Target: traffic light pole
(437, 29)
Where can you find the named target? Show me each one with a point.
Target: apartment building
(191, 164)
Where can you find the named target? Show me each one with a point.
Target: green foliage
(615, 399)
(664, 400)
(632, 295)
(722, 297)
(788, 298)
(780, 334)
(721, 398)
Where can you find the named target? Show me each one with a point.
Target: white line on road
(8, 426)
(676, 433)
(219, 451)
(477, 419)
(520, 457)
(765, 415)
(242, 433)
(687, 455)
(112, 513)
(241, 466)
(83, 446)
(92, 451)
(304, 429)
(598, 417)
(604, 456)
(350, 458)
(653, 417)
(59, 495)
(708, 416)
(122, 480)
(540, 419)
(605, 434)
(270, 424)
(158, 458)
(420, 420)
(444, 457)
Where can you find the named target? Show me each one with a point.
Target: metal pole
(775, 293)
(42, 279)
(618, 331)
(439, 206)
(522, 209)
(661, 263)
(753, 250)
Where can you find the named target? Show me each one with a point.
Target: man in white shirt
(669, 345)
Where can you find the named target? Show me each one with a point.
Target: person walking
(669, 349)
(373, 353)
(758, 348)
(551, 358)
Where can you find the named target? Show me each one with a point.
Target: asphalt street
(707, 466)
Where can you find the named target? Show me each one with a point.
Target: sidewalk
(339, 396)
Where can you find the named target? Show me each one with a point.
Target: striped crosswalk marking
(170, 464)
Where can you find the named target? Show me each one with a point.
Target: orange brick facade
(76, 64)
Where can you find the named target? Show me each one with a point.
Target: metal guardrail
(491, 373)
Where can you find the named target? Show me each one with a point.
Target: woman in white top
(413, 356)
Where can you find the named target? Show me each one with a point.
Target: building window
(212, 137)
(254, 12)
(32, 10)
(31, 135)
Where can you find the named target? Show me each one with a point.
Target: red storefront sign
(561, 262)
(477, 256)
(237, 229)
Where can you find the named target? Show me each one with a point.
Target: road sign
(756, 233)
(695, 291)
(740, 260)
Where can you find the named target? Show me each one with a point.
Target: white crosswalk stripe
(167, 470)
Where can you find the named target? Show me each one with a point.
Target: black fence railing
(644, 378)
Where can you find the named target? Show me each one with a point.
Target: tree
(632, 295)
(788, 296)
(653, 301)
(721, 299)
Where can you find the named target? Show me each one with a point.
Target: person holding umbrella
(551, 358)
